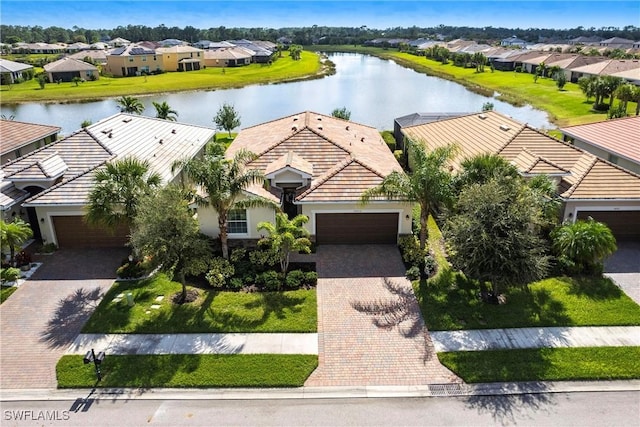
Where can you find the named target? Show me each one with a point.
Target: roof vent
(319, 118)
(347, 128)
(320, 127)
(160, 142)
(110, 135)
(106, 131)
(294, 128)
(295, 118)
(483, 116)
(127, 120)
(504, 127)
(173, 131)
(362, 139)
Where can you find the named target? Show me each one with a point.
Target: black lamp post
(97, 359)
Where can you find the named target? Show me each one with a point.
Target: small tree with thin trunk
(227, 118)
(341, 113)
(129, 104)
(13, 235)
(165, 112)
(286, 236)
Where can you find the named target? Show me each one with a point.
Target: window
(237, 221)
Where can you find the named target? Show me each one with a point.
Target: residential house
(261, 55)
(617, 141)
(587, 185)
(584, 40)
(605, 68)
(172, 43)
(513, 41)
(11, 72)
(119, 42)
(53, 183)
(568, 63)
(227, 57)
(181, 58)
(66, 69)
(133, 60)
(617, 43)
(96, 56)
(512, 62)
(631, 76)
(319, 166)
(19, 138)
(78, 46)
(38, 48)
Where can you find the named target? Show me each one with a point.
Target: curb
(431, 390)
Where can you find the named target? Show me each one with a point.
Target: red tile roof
(14, 134)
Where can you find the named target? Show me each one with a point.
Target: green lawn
(566, 107)
(210, 370)
(214, 311)
(5, 292)
(450, 302)
(283, 69)
(546, 364)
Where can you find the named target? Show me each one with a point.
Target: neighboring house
(66, 69)
(632, 76)
(617, 43)
(38, 48)
(172, 42)
(227, 57)
(56, 180)
(97, 56)
(417, 119)
(119, 42)
(617, 141)
(181, 58)
(261, 54)
(513, 41)
(78, 46)
(20, 138)
(570, 62)
(583, 40)
(11, 71)
(318, 166)
(511, 62)
(605, 68)
(133, 60)
(587, 185)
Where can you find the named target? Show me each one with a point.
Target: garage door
(356, 228)
(625, 225)
(74, 232)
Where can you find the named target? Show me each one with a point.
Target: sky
(94, 14)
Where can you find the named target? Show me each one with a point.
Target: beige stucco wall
(115, 63)
(573, 207)
(208, 220)
(171, 59)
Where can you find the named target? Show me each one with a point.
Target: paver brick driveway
(370, 328)
(43, 317)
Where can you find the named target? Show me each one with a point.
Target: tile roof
(14, 134)
(160, 142)
(10, 195)
(620, 136)
(68, 64)
(290, 160)
(7, 66)
(228, 53)
(532, 152)
(608, 67)
(343, 154)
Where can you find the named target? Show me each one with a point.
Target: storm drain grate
(447, 390)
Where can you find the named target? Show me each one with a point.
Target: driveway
(623, 267)
(370, 329)
(43, 317)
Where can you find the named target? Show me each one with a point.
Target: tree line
(315, 34)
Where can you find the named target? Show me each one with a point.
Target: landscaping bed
(545, 364)
(180, 370)
(213, 310)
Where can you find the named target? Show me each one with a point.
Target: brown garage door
(625, 225)
(356, 228)
(74, 232)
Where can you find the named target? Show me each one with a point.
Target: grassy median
(182, 371)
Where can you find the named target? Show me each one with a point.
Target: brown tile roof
(291, 160)
(10, 195)
(620, 136)
(588, 177)
(608, 67)
(14, 135)
(334, 147)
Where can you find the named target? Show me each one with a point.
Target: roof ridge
(544, 159)
(573, 188)
(330, 174)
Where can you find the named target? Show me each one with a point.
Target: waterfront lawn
(283, 69)
(213, 311)
(545, 364)
(181, 370)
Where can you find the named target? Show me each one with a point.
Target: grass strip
(189, 370)
(545, 364)
(213, 311)
(6, 291)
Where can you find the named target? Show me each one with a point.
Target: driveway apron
(43, 317)
(370, 329)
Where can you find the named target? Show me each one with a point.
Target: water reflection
(375, 91)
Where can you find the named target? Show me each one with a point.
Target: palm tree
(118, 188)
(164, 111)
(625, 94)
(481, 168)
(286, 236)
(13, 235)
(224, 182)
(429, 183)
(585, 243)
(129, 104)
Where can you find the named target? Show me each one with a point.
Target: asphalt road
(552, 409)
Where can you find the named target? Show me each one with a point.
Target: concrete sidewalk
(196, 343)
(497, 339)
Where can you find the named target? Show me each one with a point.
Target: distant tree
(167, 230)
(625, 93)
(77, 80)
(286, 236)
(227, 118)
(561, 80)
(164, 111)
(85, 123)
(487, 106)
(583, 245)
(295, 50)
(129, 104)
(42, 81)
(13, 235)
(341, 113)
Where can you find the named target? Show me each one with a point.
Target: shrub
(263, 258)
(269, 280)
(22, 258)
(311, 278)
(132, 270)
(295, 279)
(236, 283)
(399, 155)
(238, 255)
(219, 271)
(10, 274)
(412, 255)
(413, 273)
(389, 139)
(430, 266)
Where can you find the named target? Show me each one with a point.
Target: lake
(376, 92)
